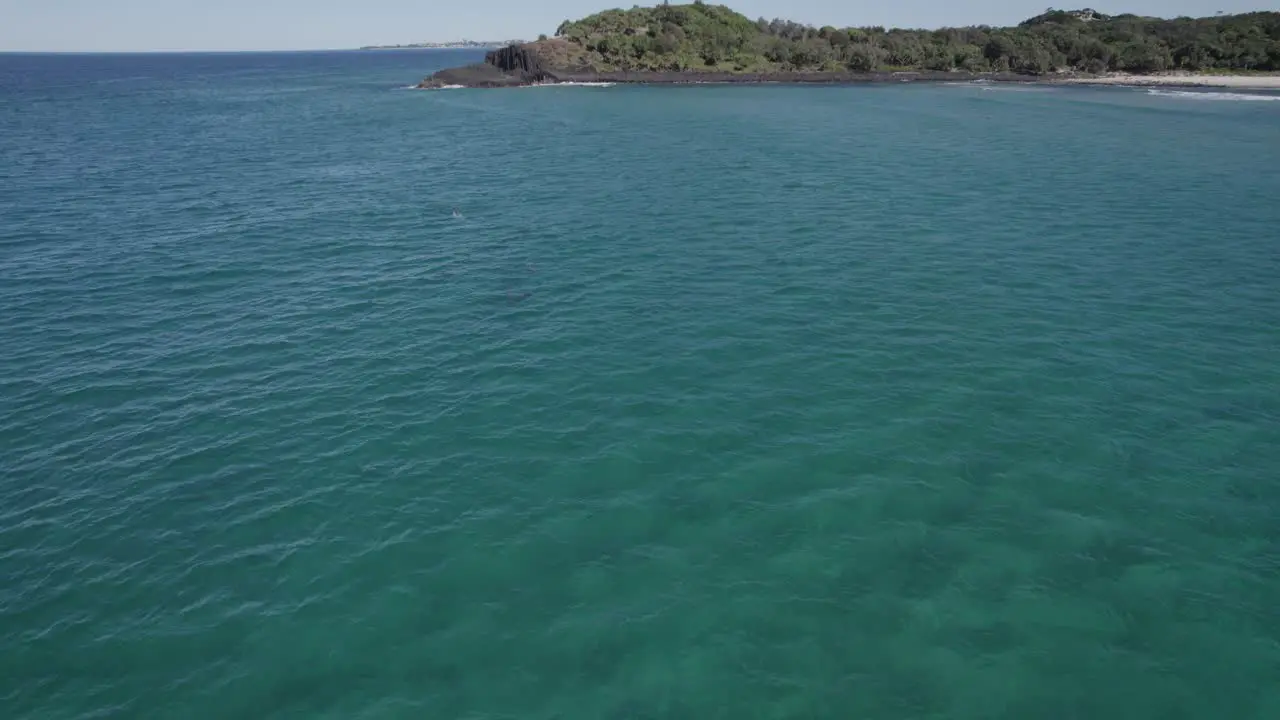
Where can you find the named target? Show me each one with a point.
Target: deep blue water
(713, 402)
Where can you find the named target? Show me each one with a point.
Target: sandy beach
(1250, 82)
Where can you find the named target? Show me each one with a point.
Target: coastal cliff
(712, 43)
(510, 66)
(517, 59)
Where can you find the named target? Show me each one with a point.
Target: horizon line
(411, 46)
(260, 51)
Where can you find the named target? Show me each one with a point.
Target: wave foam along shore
(1243, 82)
(1205, 95)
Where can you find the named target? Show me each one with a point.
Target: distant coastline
(457, 45)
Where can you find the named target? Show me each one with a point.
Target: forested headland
(702, 37)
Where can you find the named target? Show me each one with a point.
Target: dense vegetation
(700, 36)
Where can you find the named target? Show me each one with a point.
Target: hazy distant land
(457, 44)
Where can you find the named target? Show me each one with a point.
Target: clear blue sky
(108, 25)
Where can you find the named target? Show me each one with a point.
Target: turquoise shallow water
(715, 402)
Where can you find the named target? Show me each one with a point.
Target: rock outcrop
(517, 60)
(510, 66)
(480, 75)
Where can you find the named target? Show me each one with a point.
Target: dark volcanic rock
(506, 67)
(479, 75)
(516, 60)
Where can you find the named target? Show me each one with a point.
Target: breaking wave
(574, 84)
(1202, 95)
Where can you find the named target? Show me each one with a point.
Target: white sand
(1253, 82)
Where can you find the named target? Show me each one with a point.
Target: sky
(151, 25)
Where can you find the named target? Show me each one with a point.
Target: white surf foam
(550, 84)
(1228, 96)
(573, 84)
(987, 85)
(1016, 88)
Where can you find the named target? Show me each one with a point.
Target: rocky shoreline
(517, 66)
(470, 78)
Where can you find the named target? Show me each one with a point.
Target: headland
(701, 43)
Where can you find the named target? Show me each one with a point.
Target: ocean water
(949, 401)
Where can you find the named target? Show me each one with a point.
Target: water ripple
(799, 402)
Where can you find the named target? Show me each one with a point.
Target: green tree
(864, 57)
(666, 44)
(970, 58)
(705, 34)
(1143, 56)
